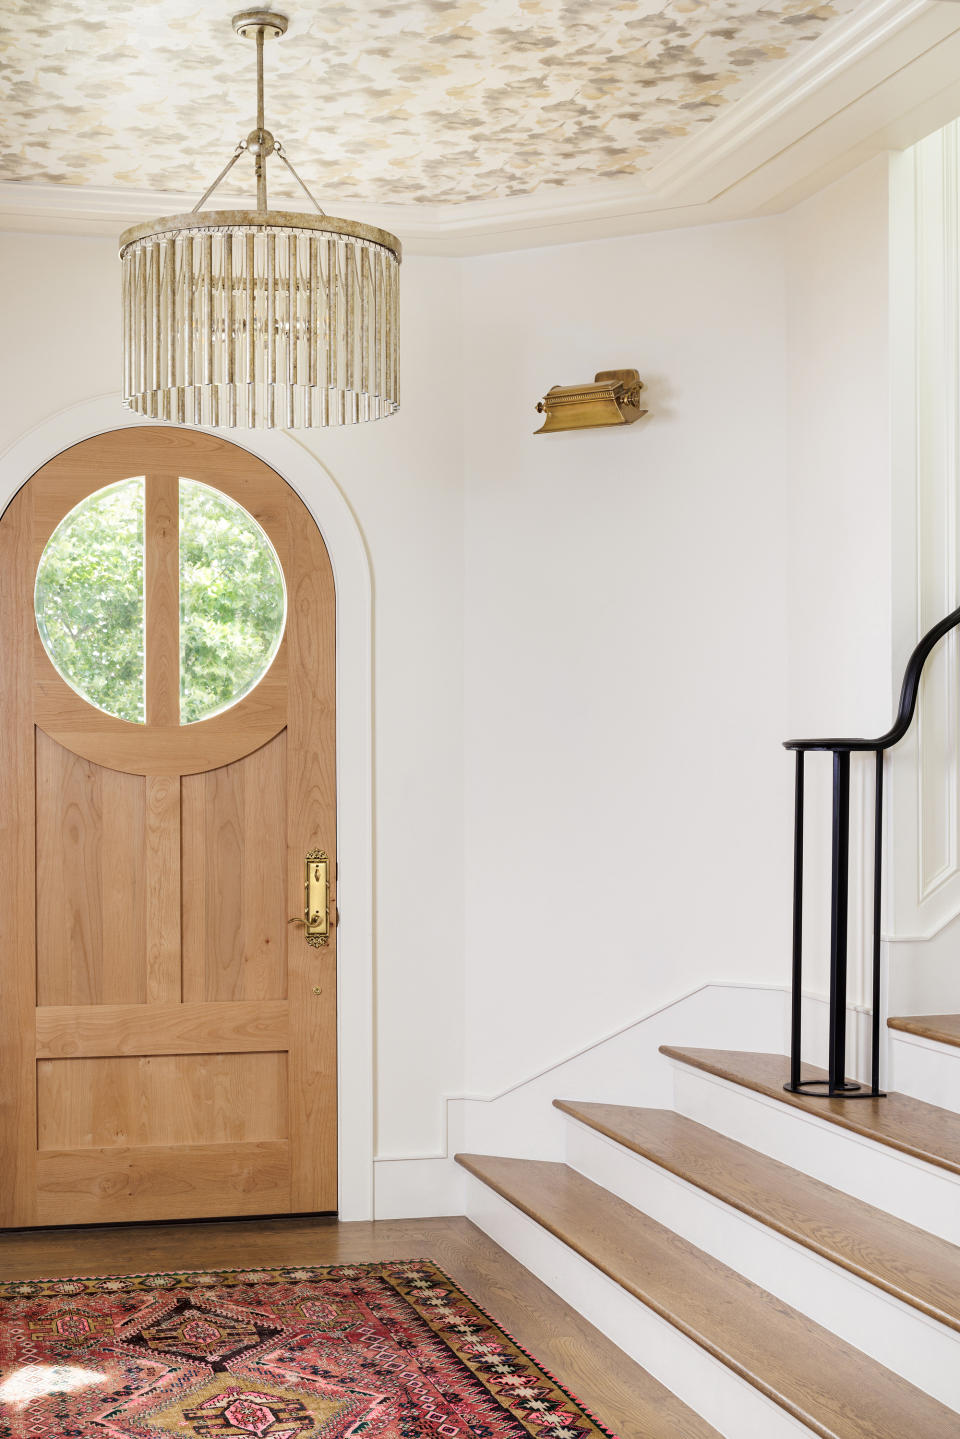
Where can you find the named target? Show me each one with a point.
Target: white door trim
(348, 555)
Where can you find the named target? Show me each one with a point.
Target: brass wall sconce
(612, 399)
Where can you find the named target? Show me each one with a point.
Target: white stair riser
(922, 1351)
(915, 1191)
(925, 1070)
(730, 1404)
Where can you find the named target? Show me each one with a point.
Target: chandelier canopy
(260, 317)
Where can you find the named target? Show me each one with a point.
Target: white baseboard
(417, 1188)
(621, 1068)
(730, 1404)
(903, 1339)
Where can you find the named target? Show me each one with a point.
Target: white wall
(627, 821)
(60, 327)
(588, 647)
(839, 513)
(836, 251)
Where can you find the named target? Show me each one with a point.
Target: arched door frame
(348, 555)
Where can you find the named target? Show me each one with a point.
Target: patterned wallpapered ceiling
(406, 101)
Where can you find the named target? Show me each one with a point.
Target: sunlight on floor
(33, 1380)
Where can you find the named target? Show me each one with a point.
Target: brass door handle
(299, 919)
(316, 899)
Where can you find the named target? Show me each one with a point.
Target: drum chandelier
(262, 317)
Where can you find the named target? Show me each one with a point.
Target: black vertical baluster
(796, 998)
(877, 872)
(838, 919)
(840, 883)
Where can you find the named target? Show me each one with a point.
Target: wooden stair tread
(836, 1390)
(915, 1128)
(944, 1028)
(917, 1267)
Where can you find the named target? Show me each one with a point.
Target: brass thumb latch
(316, 899)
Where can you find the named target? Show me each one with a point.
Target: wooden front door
(167, 1035)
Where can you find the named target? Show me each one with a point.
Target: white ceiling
(447, 116)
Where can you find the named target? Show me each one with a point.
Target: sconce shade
(613, 398)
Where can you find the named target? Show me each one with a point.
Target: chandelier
(260, 317)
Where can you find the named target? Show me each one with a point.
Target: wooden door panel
(167, 1040)
(161, 1100)
(162, 846)
(246, 1027)
(91, 881)
(102, 1186)
(160, 749)
(234, 878)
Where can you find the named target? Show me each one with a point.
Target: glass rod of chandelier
(238, 324)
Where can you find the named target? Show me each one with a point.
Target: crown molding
(873, 81)
(699, 162)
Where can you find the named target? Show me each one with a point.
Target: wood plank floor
(903, 1123)
(621, 1394)
(917, 1267)
(944, 1028)
(836, 1390)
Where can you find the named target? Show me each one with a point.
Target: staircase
(784, 1264)
(781, 1248)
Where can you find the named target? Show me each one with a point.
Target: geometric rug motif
(351, 1351)
(198, 1331)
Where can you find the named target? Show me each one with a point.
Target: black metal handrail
(836, 1085)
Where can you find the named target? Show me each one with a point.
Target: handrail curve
(836, 1085)
(909, 691)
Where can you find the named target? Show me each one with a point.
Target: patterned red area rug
(395, 1351)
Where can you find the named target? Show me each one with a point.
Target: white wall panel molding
(924, 831)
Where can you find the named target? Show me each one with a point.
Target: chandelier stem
(260, 38)
(261, 159)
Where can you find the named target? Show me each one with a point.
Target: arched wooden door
(167, 1036)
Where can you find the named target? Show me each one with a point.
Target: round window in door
(90, 600)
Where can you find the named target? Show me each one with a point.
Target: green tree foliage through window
(89, 599)
(232, 602)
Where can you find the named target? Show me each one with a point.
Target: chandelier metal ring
(261, 220)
